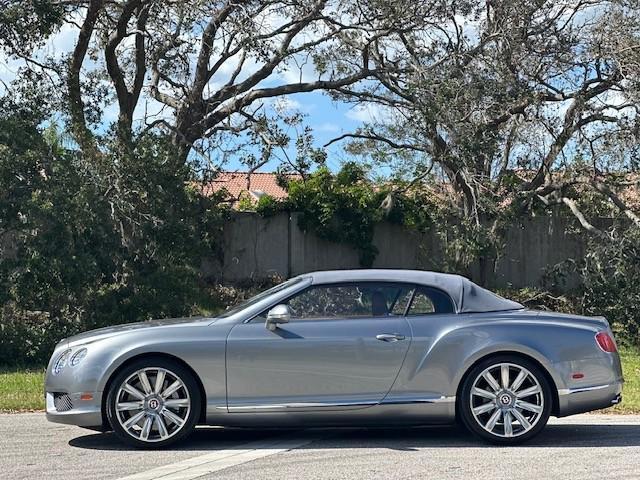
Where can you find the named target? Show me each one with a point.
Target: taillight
(605, 342)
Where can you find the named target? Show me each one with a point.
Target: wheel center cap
(154, 403)
(505, 399)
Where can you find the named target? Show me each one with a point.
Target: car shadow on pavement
(402, 439)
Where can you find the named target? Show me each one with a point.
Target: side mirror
(278, 314)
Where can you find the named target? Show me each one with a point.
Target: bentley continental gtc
(340, 348)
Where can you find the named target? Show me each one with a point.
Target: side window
(430, 300)
(329, 302)
(401, 302)
(348, 300)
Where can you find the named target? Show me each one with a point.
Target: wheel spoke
(491, 423)
(483, 393)
(491, 381)
(508, 428)
(142, 389)
(129, 406)
(528, 392)
(174, 387)
(504, 376)
(487, 407)
(134, 420)
(520, 418)
(498, 399)
(159, 381)
(169, 415)
(146, 428)
(162, 428)
(528, 406)
(131, 390)
(144, 381)
(177, 403)
(518, 381)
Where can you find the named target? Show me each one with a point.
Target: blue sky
(328, 119)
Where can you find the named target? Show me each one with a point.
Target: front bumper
(70, 409)
(589, 398)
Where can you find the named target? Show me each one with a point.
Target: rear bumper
(83, 413)
(589, 398)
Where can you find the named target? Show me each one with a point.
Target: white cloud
(287, 104)
(299, 69)
(55, 47)
(59, 44)
(8, 69)
(366, 113)
(110, 113)
(327, 127)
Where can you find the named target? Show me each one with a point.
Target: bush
(28, 337)
(268, 206)
(96, 241)
(610, 275)
(609, 285)
(540, 299)
(342, 208)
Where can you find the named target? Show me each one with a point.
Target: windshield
(262, 295)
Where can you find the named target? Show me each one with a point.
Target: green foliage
(246, 203)
(608, 286)
(268, 206)
(94, 241)
(610, 273)
(540, 299)
(25, 24)
(461, 239)
(342, 208)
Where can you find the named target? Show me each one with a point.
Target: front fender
(202, 348)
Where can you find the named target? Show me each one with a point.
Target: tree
(24, 24)
(210, 68)
(508, 107)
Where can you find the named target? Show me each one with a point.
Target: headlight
(61, 362)
(77, 357)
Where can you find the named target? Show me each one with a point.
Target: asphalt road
(581, 447)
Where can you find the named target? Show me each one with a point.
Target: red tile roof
(255, 184)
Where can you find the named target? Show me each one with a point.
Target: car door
(342, 349)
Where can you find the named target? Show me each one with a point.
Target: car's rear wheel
(505, 400)
(153, 402)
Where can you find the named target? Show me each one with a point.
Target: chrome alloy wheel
(507, 400)
(152, 404)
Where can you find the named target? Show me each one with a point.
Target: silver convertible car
(352, 347)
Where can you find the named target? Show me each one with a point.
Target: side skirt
(413, 411)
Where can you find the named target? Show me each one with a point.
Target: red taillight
(605, 342)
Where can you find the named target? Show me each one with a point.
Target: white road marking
(221, 459)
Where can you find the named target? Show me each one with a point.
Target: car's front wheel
(153, 402)
(505, 400)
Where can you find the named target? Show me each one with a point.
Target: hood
(107, 332)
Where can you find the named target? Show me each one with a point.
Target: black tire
(472, 422)
(191, 413)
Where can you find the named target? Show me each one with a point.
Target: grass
(22, 390)
(631, 389)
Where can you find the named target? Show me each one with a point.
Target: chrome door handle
(390, 337)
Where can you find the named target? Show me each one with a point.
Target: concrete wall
(257, 247)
